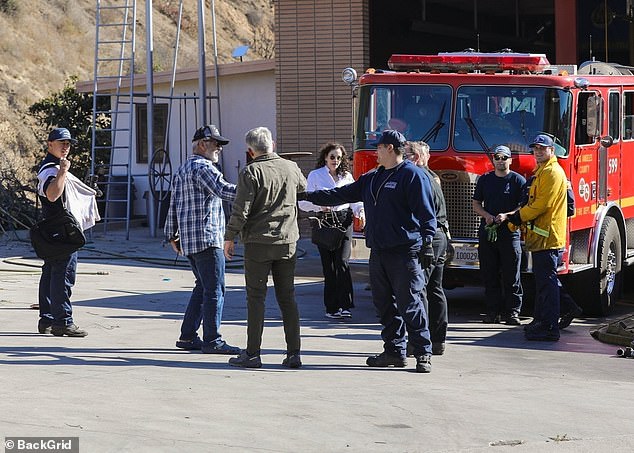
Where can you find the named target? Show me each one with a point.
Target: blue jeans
(546, 288)
(397, 284)
(207, 298)
(56, 283)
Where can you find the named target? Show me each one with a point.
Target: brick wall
(315, 40)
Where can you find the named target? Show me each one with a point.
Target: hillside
(43, 43)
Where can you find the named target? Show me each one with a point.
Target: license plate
(465, 255)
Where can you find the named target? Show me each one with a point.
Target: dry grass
(43, 43)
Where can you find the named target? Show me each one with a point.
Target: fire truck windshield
(502, 114)
(420, 112)
(511, 116)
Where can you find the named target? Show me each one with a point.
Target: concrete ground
(125, 387)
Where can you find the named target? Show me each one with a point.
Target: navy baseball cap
(542, 140)
(60, 133)
(209, 131)
(391, 137)
(503, 150)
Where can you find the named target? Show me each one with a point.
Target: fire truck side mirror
(607, 141)
(593, 116)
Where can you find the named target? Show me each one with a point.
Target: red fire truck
(464, 104)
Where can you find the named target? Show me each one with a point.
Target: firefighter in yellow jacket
(544, 221)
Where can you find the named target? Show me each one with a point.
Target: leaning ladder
(113, 105)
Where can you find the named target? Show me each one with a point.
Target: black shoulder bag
(328, 231)
(57, 237)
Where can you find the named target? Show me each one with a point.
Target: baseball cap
(60, 133)
(209, 131)
(542, 140)
(503, 150)
(391, 137)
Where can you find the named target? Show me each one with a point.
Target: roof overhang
(182, 75)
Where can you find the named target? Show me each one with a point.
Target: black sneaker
(542, 334)
(222, 348)
(512, 320)
(384, 360)
(292, 360)
(491, 319)
(245, 360)
(190, 345)
(71, 330)
(44, 326)
(423, 364)
(566, 319)
(532, 325)
(438, 348)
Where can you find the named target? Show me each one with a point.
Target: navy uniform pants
(397, 284)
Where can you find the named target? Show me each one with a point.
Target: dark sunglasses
(501, 157)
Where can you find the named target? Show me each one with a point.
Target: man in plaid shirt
(195, 227)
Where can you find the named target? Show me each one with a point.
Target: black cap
(209, 131)
(392, 137)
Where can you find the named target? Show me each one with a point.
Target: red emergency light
(470, 61)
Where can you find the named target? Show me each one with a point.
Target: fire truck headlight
(349, 76)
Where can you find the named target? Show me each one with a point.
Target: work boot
(491, 318)
(44, 326)
(423, 363)
(384, 360)
(567, 318)
(438, 348)
(244, 360)
(542, 333)
(292, 360)
(71, 330)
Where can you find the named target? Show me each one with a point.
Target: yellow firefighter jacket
(544, 216)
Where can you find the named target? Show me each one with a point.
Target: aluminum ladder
(113, 108)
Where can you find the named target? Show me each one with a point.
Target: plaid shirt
(195, 211)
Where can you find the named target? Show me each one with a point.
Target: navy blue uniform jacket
(398, 204)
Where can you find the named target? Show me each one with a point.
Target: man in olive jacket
(544, 218)
(265, 216)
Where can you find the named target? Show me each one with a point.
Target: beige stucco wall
(247, 100)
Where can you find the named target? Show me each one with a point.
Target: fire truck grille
(463, 222)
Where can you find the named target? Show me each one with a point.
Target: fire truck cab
(464, 104)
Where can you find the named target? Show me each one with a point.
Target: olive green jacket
(265, 208)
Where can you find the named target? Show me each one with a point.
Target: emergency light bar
(470, 61)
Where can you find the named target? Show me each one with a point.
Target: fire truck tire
(604, 288)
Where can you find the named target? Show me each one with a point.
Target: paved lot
(126, 388)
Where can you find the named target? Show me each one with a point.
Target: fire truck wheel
(605, 284)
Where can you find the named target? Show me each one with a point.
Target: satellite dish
(240, 52)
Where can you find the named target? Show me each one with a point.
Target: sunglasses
(501, 157)
(333, 157)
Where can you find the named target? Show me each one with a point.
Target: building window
(159, 132)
